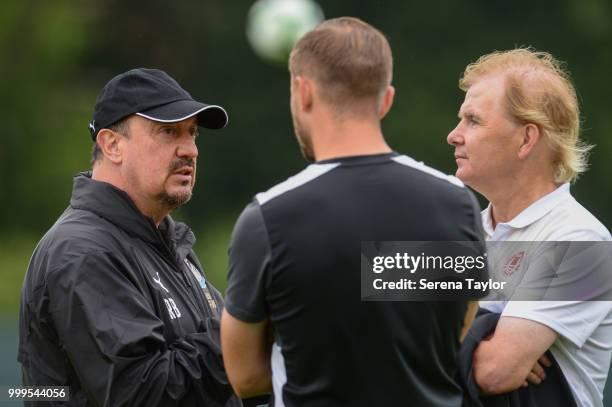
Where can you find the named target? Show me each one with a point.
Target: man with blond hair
(517, 143)
(295, 251)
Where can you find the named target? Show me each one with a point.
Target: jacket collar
(114, 205)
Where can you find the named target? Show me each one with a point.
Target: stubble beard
(304, 140)
(173, 201)
(176, 199)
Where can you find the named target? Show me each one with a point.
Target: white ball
(274, 26)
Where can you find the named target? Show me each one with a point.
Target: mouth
(460, 157)
(185, 171)
(185, 175)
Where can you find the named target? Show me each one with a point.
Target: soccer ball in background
(274, 26)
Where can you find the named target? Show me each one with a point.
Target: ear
(110, 143)
(530, 134)
(387, 102)
(304, 89)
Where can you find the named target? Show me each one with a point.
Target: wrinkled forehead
(486, 94)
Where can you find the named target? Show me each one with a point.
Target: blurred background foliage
(56, 55)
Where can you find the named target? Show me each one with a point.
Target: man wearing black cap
(115, 303)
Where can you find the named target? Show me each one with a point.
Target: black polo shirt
(295, 259)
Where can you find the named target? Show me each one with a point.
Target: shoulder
(428, 171)
(250, 222)
(441, 189)
(77, 235)
(444, 191)
(298, 180)
(571, 221)
(405, 172)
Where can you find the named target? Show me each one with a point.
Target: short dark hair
(122, 127)
(349, 58)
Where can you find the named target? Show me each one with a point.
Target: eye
(194, 132)
(167, 130)
(471, 119)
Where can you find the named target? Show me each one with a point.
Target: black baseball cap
(153, 94)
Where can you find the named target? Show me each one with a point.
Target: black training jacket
(120, 310)
(553, 391)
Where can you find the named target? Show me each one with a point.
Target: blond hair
(539, 91)
(348, 58)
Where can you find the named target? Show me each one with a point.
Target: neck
(510, 200)
(147, 207)
(344, 138)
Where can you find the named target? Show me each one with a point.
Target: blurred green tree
(57, 55)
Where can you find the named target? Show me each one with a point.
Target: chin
(177, 198)
(463, 177)
(471, 182)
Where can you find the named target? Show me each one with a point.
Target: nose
(455, 137)
(188, 148)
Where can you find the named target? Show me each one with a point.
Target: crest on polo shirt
(513, 263)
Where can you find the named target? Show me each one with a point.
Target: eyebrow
(469, 111)
(461, 111)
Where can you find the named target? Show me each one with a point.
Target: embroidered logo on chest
(202, 282)
(158, 281)
(513, 263)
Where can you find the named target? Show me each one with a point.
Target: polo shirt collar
(530, 214)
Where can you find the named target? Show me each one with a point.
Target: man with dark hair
(294, 276)
(115, 303)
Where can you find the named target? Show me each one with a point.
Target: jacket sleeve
(554, 391)
(115, 343)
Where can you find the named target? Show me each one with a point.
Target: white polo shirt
(583, 347)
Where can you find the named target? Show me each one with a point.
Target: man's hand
(537, 374)
(512, 356)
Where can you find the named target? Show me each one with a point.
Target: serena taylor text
(424, 284)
